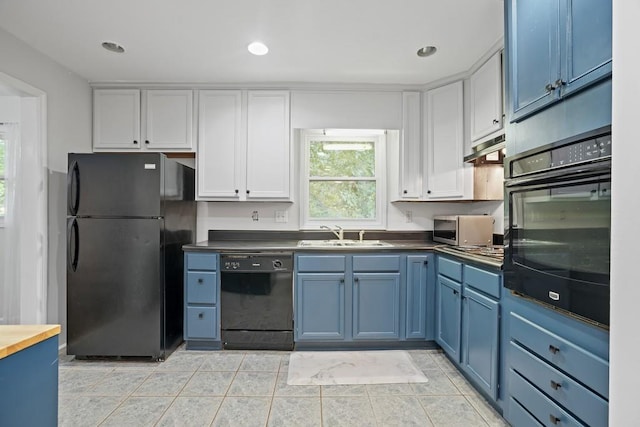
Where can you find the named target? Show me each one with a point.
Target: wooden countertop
(14, 338)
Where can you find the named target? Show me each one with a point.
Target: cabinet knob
(455, 292)
(146, 141)
(200, 315)
(200, 280)
(559, 83)
(356, 279)
(404, 191)
(426, 262)
(496, 121)
(341, 280)
(553, 349)
(237, 191)
(428, 191)
(135, 142)
(247, 191)
(549, 87)
(554, 420)
(555, 385)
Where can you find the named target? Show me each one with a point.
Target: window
(3, 149)
(343, 179)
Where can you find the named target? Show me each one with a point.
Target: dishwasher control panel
(256, 262)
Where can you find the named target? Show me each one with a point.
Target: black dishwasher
(256, 301)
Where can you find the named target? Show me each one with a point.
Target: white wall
(625, 231)
(68, 129)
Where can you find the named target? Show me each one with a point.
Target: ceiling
(205, 41)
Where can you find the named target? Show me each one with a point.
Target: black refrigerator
(128, 215)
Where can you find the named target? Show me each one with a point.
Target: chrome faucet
(339, 232)
(361, 234)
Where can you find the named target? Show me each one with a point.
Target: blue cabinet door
(376, 306)
(587, 45)
(448, 315)
(480, 340)
(416, 307)
(320, 307)
(533, 33)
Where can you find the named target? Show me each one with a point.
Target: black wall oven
(558, 232)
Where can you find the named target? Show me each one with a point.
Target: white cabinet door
(486, 99)
(268, 148)
(443, 161)
(116, 119)
(220, 159)
(168, 119)
(410, 152)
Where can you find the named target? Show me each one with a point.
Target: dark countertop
(287, 241)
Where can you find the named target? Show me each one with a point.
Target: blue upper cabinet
(555, 48)
(588, 43)
(534, 63)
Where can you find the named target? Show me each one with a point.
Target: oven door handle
(561, 175)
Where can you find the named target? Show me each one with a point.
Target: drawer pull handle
(200, 315)
(555, 385)
(553, 349)
(554, 420)
(200, 280)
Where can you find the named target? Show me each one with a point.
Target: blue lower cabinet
(29, 380)
(480, 337)
(320, 307)
(418, 298)
(448, 312)
(468, 321)
(362, 299)
(557, 366)
(376, 306)
(201, 297)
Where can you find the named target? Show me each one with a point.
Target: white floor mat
(352, 367)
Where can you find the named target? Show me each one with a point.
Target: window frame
(379, 222)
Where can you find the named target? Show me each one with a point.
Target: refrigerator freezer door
(115, 185)
(115, 287)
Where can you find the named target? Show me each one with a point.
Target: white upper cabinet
(410, 147)
(165, 122)
(486, 99)
(268, 147)
(243, 145)
(220, 159)
(169, 119)
(116, 119)
(444, 143)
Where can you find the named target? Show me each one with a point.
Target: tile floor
(236, 388)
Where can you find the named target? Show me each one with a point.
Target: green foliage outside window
(342, 181)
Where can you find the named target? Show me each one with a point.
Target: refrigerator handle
(73, 242)
(73, 188)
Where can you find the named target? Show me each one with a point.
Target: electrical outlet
(254, 215)
(408, 216)
(282, 216)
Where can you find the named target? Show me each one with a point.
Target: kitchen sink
(345, 243)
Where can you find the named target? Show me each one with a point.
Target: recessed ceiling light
(426, 51)
(113, 47)
(258, 48)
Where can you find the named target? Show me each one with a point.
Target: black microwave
(558, 227)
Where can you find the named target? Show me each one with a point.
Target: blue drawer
(317, 263)
(539, 405)
(202, 261)
(201, 287)
(577, 362)
(202, 322)
(450, 268)
(376, 263)
(482, 280)
(518, 416)
(584, 404)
